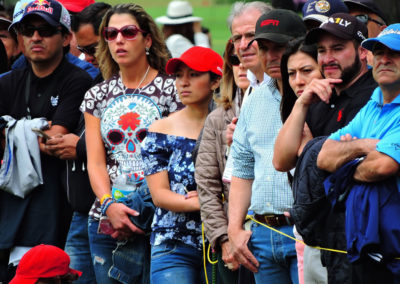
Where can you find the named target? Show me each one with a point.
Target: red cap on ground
(198, 58)
(42, 261)
(76, 5)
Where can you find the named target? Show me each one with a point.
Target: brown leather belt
(274, 220)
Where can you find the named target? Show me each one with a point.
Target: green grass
(214, 17)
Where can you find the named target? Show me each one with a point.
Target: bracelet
(104, 197)
(105, 206)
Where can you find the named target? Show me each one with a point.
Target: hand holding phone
(41, 133)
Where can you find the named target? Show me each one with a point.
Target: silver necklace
(141, 81)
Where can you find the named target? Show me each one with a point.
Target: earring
(147, 51)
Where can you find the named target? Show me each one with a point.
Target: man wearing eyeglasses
(255, 184)
(242, 23)
(49, 87)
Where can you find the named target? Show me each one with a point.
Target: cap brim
(173, 64)
(279, 38)
(44, 16)
(391, 43)
(314, 34)
(164, 20)
(5, 21)
(22, 280)
(316, 17)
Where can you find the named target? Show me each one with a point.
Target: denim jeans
(77, 247)
(131, 261)
(275, 253)
(101, 247)
(173, 263)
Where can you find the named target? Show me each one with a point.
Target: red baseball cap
(76, 6)
(198, 58)
(42, 261)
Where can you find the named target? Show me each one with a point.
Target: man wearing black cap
(49, 87)
(255, 182)
(369, 14)
(340, 56)
(374, 134)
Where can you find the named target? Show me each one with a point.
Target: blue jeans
(176, 262)
(101, 247)
(77, 247)
(275, 253)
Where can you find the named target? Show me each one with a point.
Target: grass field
(214, 17)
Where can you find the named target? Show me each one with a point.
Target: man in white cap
(373, 135)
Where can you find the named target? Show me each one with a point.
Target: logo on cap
(337, 21)
(270, 22)
(322, 6)
(40, 6)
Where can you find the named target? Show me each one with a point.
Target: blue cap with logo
(320, 10)
(53, 12)
(389, 37)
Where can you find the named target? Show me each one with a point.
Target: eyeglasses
(237, 38)
(128, 32)
(364, 18)
(234, 60)
(44, 31)
(88, 49)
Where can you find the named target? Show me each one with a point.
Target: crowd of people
(137, 154)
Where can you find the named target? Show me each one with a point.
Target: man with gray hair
(242, 23)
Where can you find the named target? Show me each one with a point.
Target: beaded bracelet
(107, 202)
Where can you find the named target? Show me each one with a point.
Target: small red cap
(42, 261)
(198, 58)
(76, 6)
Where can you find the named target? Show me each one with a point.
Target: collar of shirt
(377, 96)
(253, 79)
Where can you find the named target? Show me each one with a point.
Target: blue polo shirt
(377, 121)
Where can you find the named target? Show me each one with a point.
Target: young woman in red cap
(176, 240)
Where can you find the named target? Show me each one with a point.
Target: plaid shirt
(253, 148)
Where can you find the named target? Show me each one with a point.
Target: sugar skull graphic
(123, 126)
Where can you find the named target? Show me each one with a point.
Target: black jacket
(75, 176)
(311, 207)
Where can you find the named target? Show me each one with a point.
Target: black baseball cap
(279, 26)
(341, 25)
(368, 5)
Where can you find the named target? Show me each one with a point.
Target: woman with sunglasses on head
(211, 160)
(176, 253)
(118, 111)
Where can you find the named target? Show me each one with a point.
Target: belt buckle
(271, 220)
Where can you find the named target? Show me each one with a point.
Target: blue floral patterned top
(162, 152)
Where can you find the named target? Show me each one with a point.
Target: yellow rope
(290, 237)
(204, 252)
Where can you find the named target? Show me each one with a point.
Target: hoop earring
(147, 50)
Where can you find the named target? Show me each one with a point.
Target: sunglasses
(88, 49)
(364, 18)
(128, 32)
(43, 31)
(234, 60)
